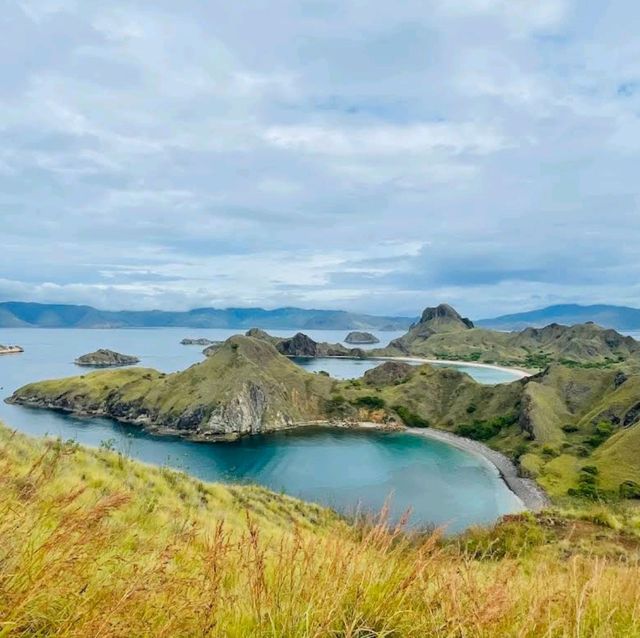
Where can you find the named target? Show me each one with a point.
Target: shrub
(629, 489)
(569, 427)
(371, 402)
(410, 418)
(471, 408)
(587, 484)
(483, 430)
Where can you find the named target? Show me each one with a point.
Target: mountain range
(15, 314)
(608, 316)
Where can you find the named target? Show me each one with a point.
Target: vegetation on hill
(244, 387)
(583, 345)
(94, 544)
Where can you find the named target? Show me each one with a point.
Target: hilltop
(15, 314)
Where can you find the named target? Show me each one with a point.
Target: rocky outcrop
(202, 341)
(10, 349)
(105, 359)
(389, 373)
(301, 345)
(362, 338)
(245, 414)
(444, 318)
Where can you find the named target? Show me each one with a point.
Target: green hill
(451, 338)
(246, 386)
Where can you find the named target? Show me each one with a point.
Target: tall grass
(92, 544)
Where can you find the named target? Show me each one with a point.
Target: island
(361, 338)
(202, 341)
(105, 359)
(556, 426)
(10, 349)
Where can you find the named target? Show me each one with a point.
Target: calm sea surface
(346, 470)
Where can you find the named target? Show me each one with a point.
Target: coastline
(527, 490)
(518, 373)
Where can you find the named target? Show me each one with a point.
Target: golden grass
(92, 544)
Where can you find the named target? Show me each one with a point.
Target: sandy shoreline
(528, 491)
(518, 373)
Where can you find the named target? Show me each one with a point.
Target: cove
(344, 469)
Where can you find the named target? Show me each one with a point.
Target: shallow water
(441, 484)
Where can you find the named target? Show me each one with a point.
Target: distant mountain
(15, 314)
(617, 317)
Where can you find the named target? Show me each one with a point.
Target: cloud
(367, 155)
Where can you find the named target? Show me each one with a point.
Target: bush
(587, 484)
(569, 427)
(603, 431)
(411, 419)
(483, 430)
(370, 402)
(629, 489)
(337, 406)
(471, 408)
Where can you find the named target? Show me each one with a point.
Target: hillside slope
(582, 344)
(93, 544)
(246, 386)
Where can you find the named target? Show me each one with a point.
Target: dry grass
(95, 545)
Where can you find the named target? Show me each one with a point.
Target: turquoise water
(347, 470)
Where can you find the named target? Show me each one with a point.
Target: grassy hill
(246, 386)
(94, 544)
(578, 345)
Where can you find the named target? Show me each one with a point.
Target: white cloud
(172, 154)
(417, 139)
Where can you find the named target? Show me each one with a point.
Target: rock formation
(202, 341)
(363, 338)
(105, 359)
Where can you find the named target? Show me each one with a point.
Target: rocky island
(300, 345)
(10, 349)
(361, 338)
(202, 341)
(105, 359)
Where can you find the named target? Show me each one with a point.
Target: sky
(371, 156)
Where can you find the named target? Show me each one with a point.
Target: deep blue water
(344, 469)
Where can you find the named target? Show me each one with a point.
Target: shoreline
(518, 373)
(533, 497)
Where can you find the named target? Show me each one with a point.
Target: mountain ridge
(16, 314)
(606, 315)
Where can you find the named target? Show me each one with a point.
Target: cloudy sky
(360, 154)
